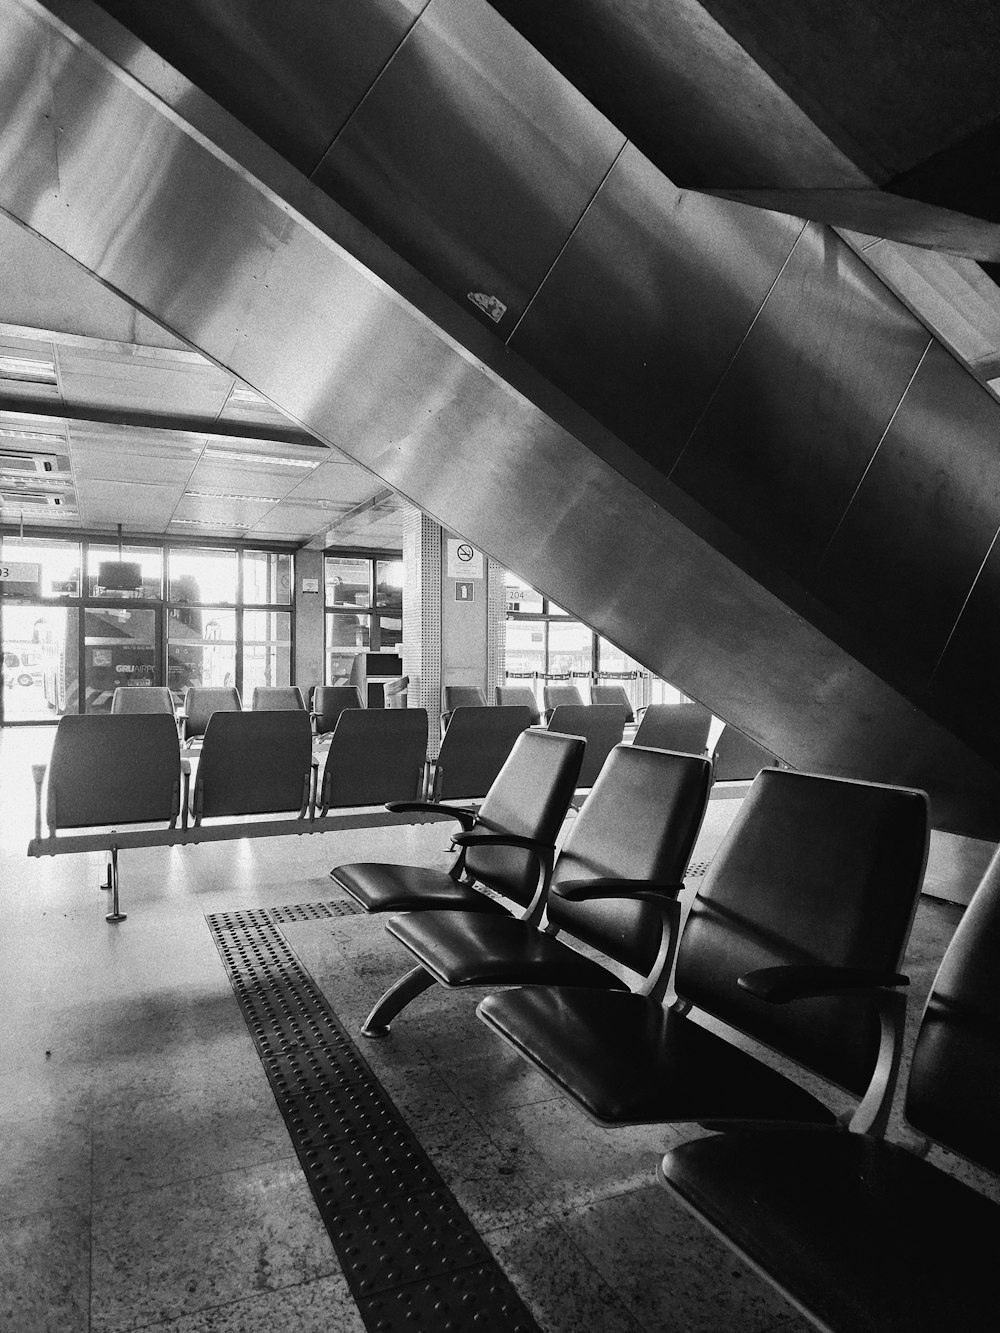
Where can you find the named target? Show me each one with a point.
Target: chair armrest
(580, 890)
(466, 818)
(479, 839)
(780, 984)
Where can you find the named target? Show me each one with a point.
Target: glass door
(119, 648)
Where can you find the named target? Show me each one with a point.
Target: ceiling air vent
(13, 463)
(33, 499)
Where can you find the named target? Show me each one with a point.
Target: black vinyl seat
(528, 800)
(602, 727)
(633, 836)
(682, 727)
(201, 702)
(473, 750)
(329, 701)
(617, 694)
(555, 696)
(142, 699)
(518, 696)
(460, 696)
(814, 874)
(375, 755)
(861, 1234)
(277, 698)
(253, 764)
(739, 758)
(112, 769)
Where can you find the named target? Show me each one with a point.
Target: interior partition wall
(86, 615)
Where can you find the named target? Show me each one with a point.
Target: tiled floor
(146, 1176)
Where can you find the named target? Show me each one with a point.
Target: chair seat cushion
(863, 1235)
(624, 1059)
(469, 949)
(391, 888)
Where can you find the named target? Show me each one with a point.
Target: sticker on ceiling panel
(489, 305)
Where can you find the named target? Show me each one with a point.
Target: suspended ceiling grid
(151, 434)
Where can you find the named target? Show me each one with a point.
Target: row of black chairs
(201, 702)
(794, 939)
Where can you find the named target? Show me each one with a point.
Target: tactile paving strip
(412, 1258)
(314, 911)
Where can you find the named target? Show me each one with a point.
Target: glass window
(58, 567)
(131, 572)
(344, 630)
(389, 584)
(202, 575)
(571, 647)
(201, 647)
(267, 578)
(525, 646)
(40, 662)
(267, 649)
(348, 582)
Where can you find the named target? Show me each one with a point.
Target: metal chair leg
(114, 914)
(396, 998)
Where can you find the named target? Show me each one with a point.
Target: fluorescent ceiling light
(233, 456)
(27, 368)
(204, 523)
(214, 495)
(243, 394)
(16, 433)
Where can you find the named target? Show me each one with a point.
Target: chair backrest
(738, 757)
(601, 725)
(277, 698)
(475, 748)
(394, 692)
(681, 727)
(640, 821)
(613, 694)
(814, 871)
(201, 701)
(518, 696)
(376, 755)
(329, 701)
(554, 696)
(953, 1093)
(463, 696)
(254, 764)
(110, 769)
(530, 797)
(142, 699)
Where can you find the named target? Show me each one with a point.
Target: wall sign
(310, 585)
(465, 592)
(464, 561)
(23, 571)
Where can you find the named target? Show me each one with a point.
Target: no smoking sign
(464, 561)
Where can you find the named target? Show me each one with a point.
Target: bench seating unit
(622, 862)
(815, 886)
(860, 1233)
